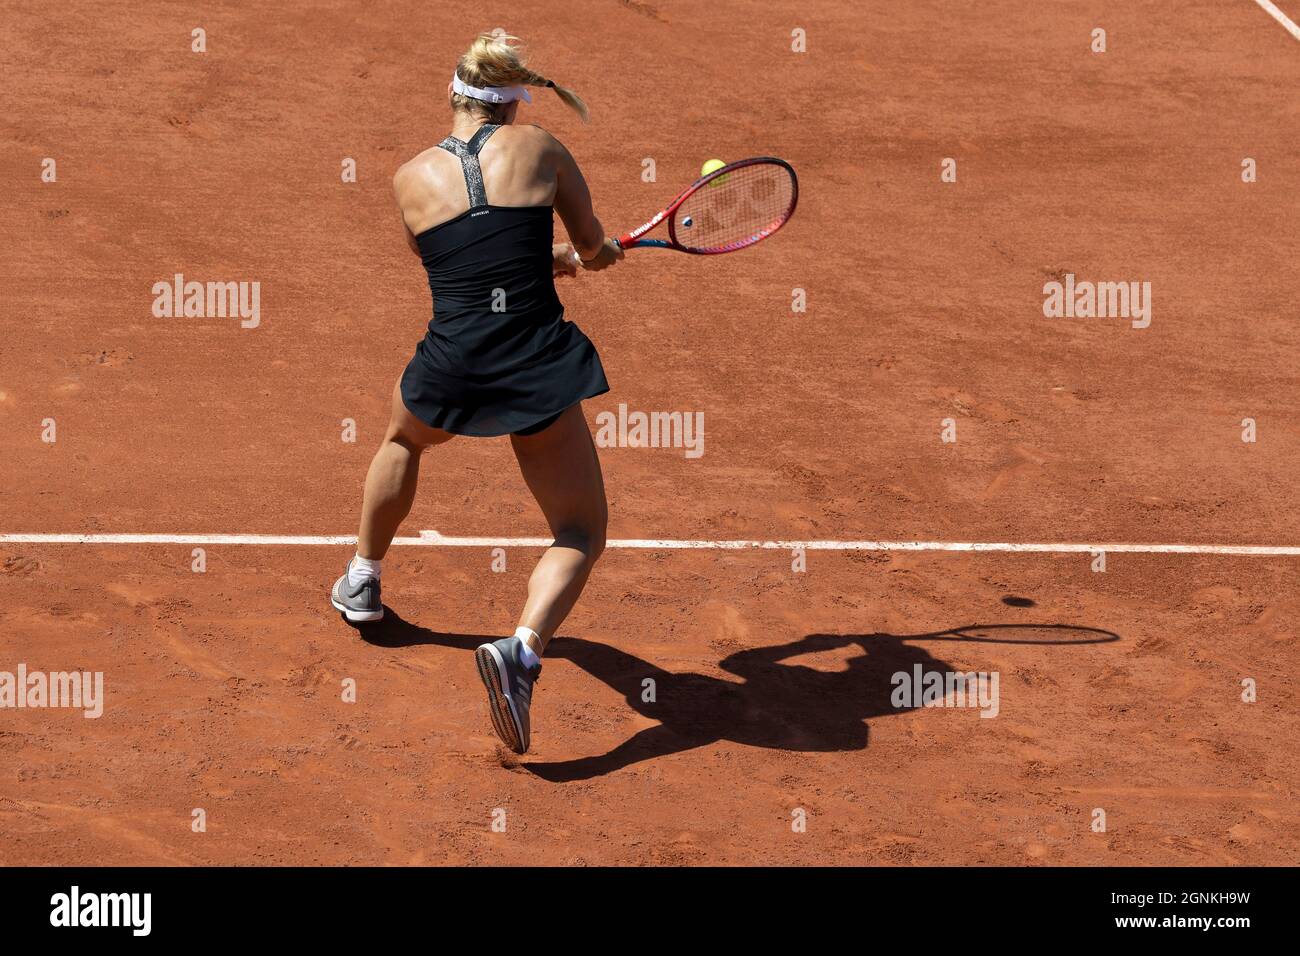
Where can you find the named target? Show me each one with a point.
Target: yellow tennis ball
(710, 166)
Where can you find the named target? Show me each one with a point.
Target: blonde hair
(493, 60)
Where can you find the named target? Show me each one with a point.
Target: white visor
(490, 94)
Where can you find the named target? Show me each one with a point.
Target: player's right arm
(573, 203)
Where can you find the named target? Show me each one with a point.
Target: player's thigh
(561, 469)
(406, 429)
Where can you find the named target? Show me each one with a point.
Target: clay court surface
(1119, 690)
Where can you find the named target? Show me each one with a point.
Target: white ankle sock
(527, 655)
(360, 568)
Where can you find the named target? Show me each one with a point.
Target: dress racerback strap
(468, 155)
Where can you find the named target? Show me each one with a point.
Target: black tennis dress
(499, 356)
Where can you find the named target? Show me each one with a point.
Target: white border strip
(432, 539)
(1272, 10)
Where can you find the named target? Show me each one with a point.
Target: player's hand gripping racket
(730, 208)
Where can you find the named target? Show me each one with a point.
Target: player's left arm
(564, 259)
(402, 183)
(410, 239)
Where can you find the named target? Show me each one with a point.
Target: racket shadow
(774, 705)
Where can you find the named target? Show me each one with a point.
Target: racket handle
(626, 244)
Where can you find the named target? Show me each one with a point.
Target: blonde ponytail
(493, 60)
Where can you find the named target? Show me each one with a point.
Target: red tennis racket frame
(633, 240)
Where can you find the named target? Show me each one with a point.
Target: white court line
(432, 539)
(1288, 24)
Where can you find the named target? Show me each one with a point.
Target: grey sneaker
(360, 603)
(510, 689)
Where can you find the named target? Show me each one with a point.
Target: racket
(729, 209)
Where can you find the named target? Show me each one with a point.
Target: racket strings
(736, 209)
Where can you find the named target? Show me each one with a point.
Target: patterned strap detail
(468, 155)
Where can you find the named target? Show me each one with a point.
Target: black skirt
(505, 401)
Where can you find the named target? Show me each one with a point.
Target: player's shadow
(774, 704)
(395, 631)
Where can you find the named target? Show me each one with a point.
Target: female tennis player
(499, 357)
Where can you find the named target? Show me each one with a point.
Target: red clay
(924, 303)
